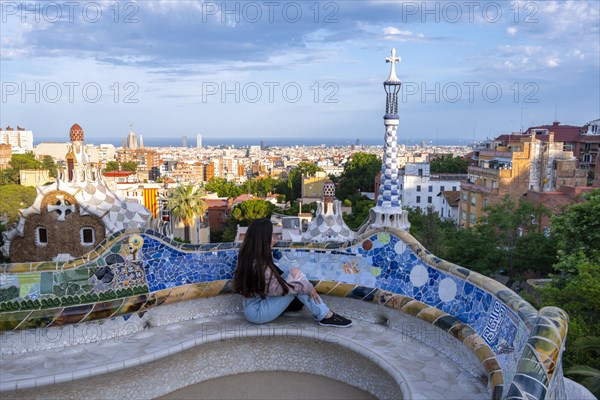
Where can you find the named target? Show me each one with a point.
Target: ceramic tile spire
(388, 212)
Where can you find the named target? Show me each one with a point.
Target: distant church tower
(131, 140)
(388, 211)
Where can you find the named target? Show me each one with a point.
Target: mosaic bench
(389, 354)
(134, 272)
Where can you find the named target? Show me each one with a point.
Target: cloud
(512, 30)
(393, 33)
(552, 62)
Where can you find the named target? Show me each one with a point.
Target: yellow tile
(324, 287)
(342, 290)
(496, 378)
(414, 307)
(430, 314)
(474, 341)
(483, 353)
(214, 288)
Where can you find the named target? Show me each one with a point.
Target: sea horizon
(279, 142)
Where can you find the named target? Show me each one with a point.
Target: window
(442, 188)
(41, 236)
(87, 236)
(494, 185)
(472, 217)
(400, 186)
(420, 171)
(473, 200)
(463, 215)
(486, 202)
(418, 199)
(464, 196)
(454, 188)
(429, 200)
(418, 188)
(430, 189)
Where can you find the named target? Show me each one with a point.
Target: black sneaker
(336, 320)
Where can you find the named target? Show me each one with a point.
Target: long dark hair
(255, 255)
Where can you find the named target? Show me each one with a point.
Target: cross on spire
(393, 59)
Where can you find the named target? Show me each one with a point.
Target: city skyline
(305, 72)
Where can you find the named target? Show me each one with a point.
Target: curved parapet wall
(540, 369)
(131, 272)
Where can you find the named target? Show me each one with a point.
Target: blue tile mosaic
(382, 261)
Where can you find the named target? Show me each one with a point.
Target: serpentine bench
(134, 275)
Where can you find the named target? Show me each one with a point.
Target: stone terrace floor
(425, 371)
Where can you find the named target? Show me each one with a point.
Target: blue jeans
(261, 311)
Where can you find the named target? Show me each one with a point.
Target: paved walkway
(424, 371)
(274, 385)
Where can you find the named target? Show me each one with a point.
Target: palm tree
(185, 204)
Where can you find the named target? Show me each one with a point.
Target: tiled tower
(388, 211)
(328, 224)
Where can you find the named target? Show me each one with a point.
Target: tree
(15, 197)
(49, 164)
(294, 209)
(506, 224)
(448, 164)
(24, 161)
(9, 176)
(223, 188)
(243, 214)
(360, 212)
(591, 376)
(129, 166)
(576, 289)
(111, 166)
(468, 248)
(359, 175)
(575, 285)
(250, 210)
(185, 204)
(124, 166)
(578, 228)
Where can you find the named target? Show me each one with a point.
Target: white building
(419, 188)
(56, 150)
(21, 141)
(593, 127)
(103, 153)
(199, 141)
(449, 205)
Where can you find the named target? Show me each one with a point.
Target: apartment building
(419, 188)
(513, 169)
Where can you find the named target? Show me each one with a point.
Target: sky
(296, 71)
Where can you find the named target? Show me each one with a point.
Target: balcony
(494, 153)
(490, 172)
(474, 187)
